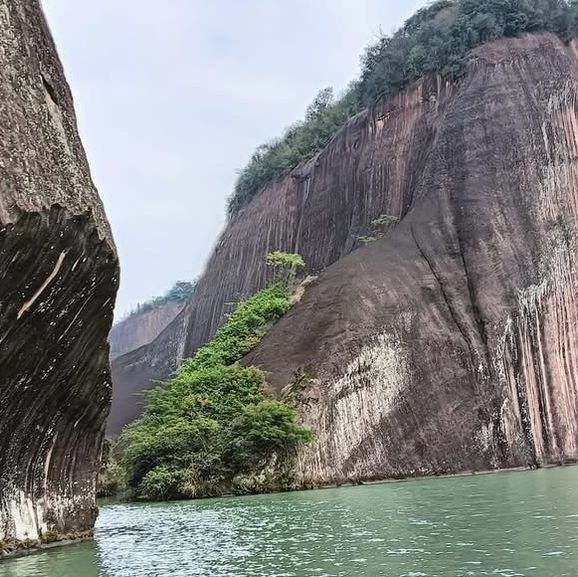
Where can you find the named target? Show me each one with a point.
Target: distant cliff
(141, 328)
(450, 343)
(57, 291)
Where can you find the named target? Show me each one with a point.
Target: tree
(320, 104)
(285, 267)
(179, 293)
(187, 443)
(263, 429)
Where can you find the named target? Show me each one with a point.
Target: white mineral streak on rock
(23, 515)
(50, 278)
(357, 402)
(540, 364)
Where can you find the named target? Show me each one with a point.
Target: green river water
(508, 524)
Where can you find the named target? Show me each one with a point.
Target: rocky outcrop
(57, 290)
(449, 344)
(141, 328)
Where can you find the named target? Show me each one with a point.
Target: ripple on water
(510, 525)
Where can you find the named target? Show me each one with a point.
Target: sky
(173, 96)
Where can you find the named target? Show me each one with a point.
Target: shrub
(384, 220)
(111, 477)
(165, 483)
(50, 537)
(285, 267)
(213, 421)
(262, 428)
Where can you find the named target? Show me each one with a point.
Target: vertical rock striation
(58, 280)
(319, 210)
(451, 343)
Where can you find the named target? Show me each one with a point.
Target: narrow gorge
(448, 344)
(57, 293)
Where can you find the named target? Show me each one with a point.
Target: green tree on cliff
(285, 267)
(212, 428)
(178, 293)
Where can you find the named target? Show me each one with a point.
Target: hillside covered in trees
(436, 39)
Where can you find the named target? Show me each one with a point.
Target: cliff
(57, 290)
(449, 344)
(141, 328)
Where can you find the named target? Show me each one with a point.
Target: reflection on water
(514, 524)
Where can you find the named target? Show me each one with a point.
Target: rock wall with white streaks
(58, 281)
(449, 344)
(476, 287)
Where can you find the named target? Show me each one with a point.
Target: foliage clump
(285, 267)
(380, 226)
(111, 476)
(212, 429)
(435, 39)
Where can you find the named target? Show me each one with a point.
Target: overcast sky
(172, 96)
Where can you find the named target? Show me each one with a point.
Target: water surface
(510, 524)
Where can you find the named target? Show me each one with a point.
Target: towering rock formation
(141, 328)
(58, 280)
(451, 343)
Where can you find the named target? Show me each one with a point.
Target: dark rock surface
(451, 343)
(58, 281)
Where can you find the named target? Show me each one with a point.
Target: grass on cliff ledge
(212, 429)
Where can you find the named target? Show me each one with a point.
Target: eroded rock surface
(58, 281)
(450, 344)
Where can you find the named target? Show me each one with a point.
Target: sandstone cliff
(141, 328)
(450, 344)
(57, 289)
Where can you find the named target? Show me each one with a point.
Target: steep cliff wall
(57, 288)
(318, 210)
(141, 328)
(449, 344)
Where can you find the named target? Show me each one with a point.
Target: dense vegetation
(212, 429)
(436, 39)
(179, 293)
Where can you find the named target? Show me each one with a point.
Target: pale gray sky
(172, 96)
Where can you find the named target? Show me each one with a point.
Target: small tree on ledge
(285, 267)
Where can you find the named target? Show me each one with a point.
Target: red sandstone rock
(141, 328)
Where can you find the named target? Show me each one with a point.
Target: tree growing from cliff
(437, 39)
(285, 267)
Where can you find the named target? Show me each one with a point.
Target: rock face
(57, 289)
(141, 329)
(450, 344)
